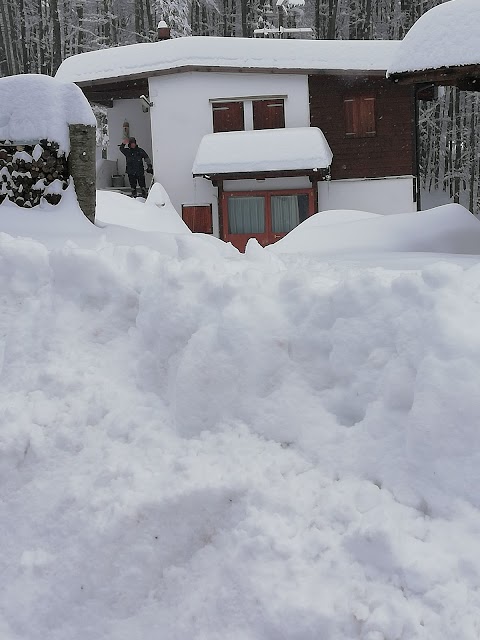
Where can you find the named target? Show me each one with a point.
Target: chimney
(163, 31)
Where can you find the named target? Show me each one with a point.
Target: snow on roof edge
(446, 36)
(204, 52)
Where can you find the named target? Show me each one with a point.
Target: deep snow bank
(250, 448)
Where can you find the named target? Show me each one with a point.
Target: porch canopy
(442, 47)
(263, 153)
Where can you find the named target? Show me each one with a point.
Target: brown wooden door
(264, 215)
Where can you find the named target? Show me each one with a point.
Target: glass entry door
(266, 215)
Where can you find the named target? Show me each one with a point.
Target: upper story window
(360, 119)
(249, 113)
(269, 114)
(228, 116)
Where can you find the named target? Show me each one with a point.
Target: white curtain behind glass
(285, 213)
(246, 214)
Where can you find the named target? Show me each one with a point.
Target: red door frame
(239, 240)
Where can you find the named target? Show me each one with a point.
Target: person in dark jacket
(135, 157)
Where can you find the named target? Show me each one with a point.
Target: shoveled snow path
(251, 448)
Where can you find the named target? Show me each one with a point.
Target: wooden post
(81, 165)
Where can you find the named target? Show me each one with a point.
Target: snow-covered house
(242, 131)
(442, 48)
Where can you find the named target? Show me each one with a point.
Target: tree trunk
(150, 23)
(332, 19)
(57, 36)
(244, 16)
(7, 39)
(23, 37)
(41, 31)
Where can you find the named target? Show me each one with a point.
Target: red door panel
(198, 218)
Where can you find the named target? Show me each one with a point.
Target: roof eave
(444, 76)
(224, 69)
(317, 173)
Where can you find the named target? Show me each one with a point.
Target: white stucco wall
(182, 115)
(130, 111)
(383, 195)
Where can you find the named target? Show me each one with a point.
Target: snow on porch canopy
(446, 36)
(265, 151)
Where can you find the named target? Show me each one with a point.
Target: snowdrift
(447, 229)
(156, 214)
(245, 447)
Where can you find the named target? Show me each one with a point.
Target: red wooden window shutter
(227, 116)
(367, 116)
(269, 114)
(360, 117)
(351, 118)
(198, 218)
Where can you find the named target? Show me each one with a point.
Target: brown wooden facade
(389, 149)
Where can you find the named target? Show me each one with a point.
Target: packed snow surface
(252, 447)
(35, 107)
(446, 36)
(295, 148)
(204, 52)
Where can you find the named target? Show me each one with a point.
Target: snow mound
(337, 216)
(156, 214)
(35, 107)
(120, 221)
(51, 224)
(447, 229)
(244, 447)
(445, 36)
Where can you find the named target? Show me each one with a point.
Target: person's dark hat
(132, 140)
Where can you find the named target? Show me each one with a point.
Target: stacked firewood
(29, 173)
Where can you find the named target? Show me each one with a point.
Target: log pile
(29, 173)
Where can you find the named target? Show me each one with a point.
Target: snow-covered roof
(446, 36)
(295, 149)
(34, 107)
(201, 52)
